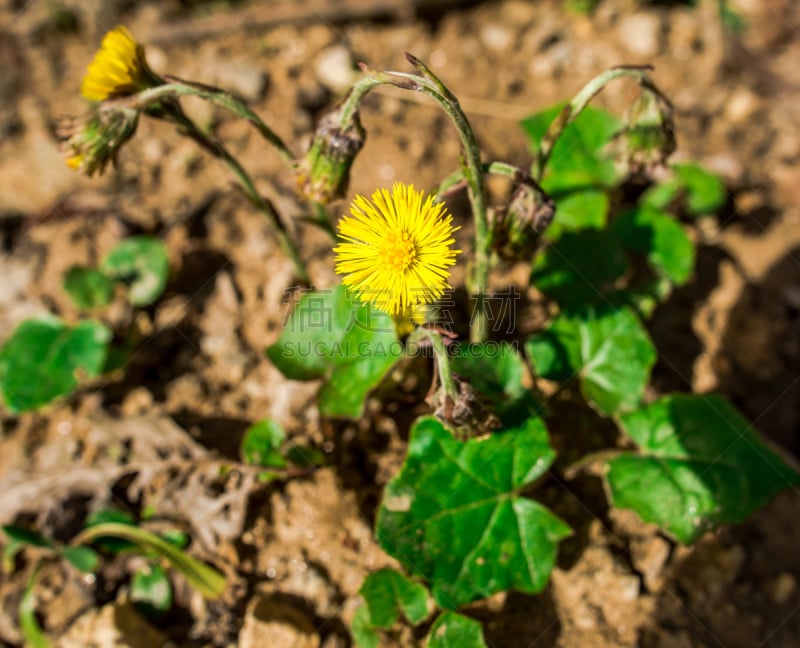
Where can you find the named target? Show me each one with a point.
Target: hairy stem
(575, 107)
(180, 88)
(218, 150)
(429, 84)
(440, 353)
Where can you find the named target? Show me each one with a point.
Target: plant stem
(575, 107)
(442, 358)
(472, 169)
(180, 88)
(218, 150)
(322, 219)
(492, 168)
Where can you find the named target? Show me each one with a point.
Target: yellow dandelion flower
(118, 69)
(395, 250)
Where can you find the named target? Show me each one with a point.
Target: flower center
(398, 251)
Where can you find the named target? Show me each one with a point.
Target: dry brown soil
(155, 436)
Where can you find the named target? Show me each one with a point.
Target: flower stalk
(578, 103)
(218, 150)
(429, 84)
(443, 371)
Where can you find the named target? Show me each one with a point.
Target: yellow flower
(118, 69)
(395, 250)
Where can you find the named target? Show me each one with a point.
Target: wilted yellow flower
(91, 143)
(395, 250)
(118, 69)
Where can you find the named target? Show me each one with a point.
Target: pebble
(783, 587)
(271, 622)
(741, 106)
(497, 37)
(334, 68)
(242, 78)
(641, 34)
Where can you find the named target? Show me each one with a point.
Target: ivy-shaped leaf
(659, 238)
(705, 192)
(45, 358)
(580, 268)
(142, 263)
(332, 335)
(151, 591)
(609, 352)
(579, 210)
(364, 633)
(702, 191)
(578, 159)
(261, 444)
(388, 593)
(81, 558)
(700, 464)
(88, 288)
(454, 514)
(453, 630)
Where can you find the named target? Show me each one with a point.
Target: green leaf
(88, 288)
(364, 635)
(44, 358)
(388, 593)
(700, 464)
(705, 192)
(261, 444)
(312, 333)
(453, 630)
(175, 537)
(660, 196)
(351, 380)
(26, 537)
(142, 263)
(578, 210)
(81, 558)
(205, 579)
(580, 268)
(643, 296)
(334, 336)
(18, 539)
(578, 159)
(661, 239)
(34, 637)
(151, 591)
(305, 456)
(454, 516)
(608, 350)
(497, 372)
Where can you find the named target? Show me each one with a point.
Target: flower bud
(648, 139)
(93, 143)
(324, 173)
(518, 227)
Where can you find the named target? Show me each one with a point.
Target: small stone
(497, 37)
(741, 106)
(137, 403)
(641, 34)
(783, 587)
(791, 295)
(271, 622)
(116, 625)
(244, 79)
(334, 69)
(726, 166)
(649, 557)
